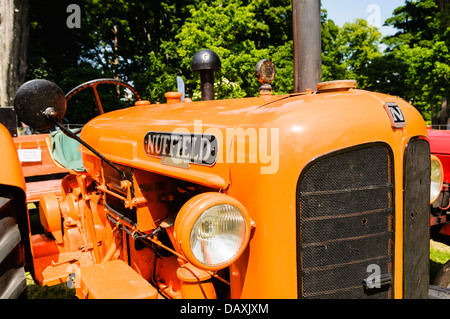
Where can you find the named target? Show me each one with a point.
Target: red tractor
(439, 218)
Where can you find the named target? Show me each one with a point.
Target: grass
(60, 291)
(439, 255)
(439, 252)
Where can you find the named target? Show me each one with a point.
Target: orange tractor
(323, 193)
(211, 199)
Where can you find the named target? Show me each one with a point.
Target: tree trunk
(444, 8)
(116, 58)
(444, 112)
(14, 30)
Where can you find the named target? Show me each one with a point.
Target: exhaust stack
(206, 62)
(306, 24)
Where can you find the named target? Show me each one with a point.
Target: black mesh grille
(345, 208)
(416, 232)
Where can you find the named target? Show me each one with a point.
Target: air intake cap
(205, 60)
(336, 86)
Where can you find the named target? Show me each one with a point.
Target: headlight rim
(188, 215)
(436, 159)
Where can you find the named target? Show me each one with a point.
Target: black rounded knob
(205, 60)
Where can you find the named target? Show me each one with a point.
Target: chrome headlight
(212, 230)
(437, 178)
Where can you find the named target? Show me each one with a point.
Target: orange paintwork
(289, 131)
(116, 279)
(173, 97)
(11, 173)
(46, 166)
(72, 243)
(308, 126)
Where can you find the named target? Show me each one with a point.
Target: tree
(56, 53)
(117, 38)
(150, 43)
(13, 48)
(349, 52)
(333, 67)
(53, 46)
(231, 29)
(416, 65)
(359, 45)
(243, 32)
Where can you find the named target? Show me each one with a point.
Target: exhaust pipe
(306, 24)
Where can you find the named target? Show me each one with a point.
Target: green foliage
(359, 46)
(60, 291)
(417, 23)
(332, 57)
(416, 64)
(231, 29)
(150, 43)
(439, 255)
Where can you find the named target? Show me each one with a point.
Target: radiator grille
(345, 223)
(416, 234)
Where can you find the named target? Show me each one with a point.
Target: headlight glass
(436, 178)
(218, 234)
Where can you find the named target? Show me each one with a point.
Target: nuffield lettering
(190, 147)
(208, 147)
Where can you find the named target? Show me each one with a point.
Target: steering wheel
(93, 84)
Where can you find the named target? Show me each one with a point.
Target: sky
(374, 11)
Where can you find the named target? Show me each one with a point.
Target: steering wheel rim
(93, 84)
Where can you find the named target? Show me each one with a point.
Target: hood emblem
(395, 114)
(182, 149)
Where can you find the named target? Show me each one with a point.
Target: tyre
(12, 273)
(443, 276)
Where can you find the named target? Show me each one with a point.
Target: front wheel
(12, 273)
(443, 276)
